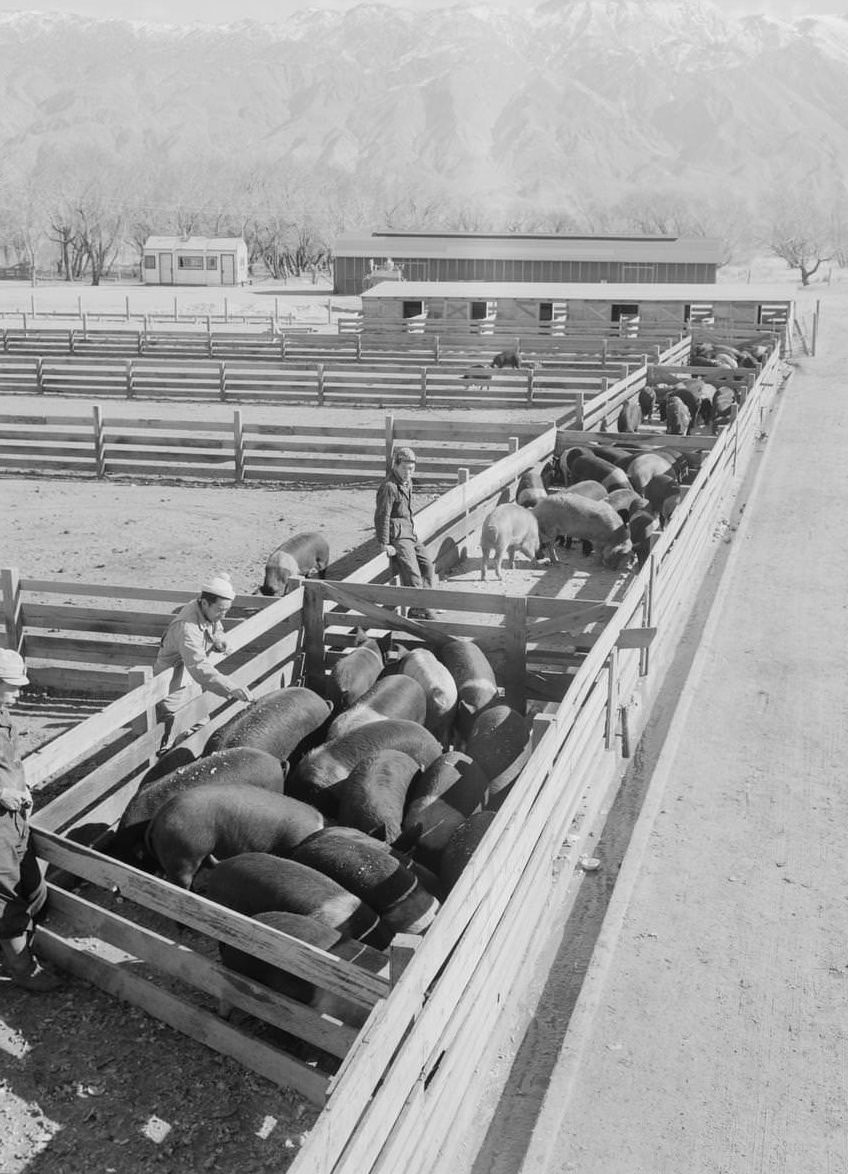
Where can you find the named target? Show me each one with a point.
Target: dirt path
(708, 1035)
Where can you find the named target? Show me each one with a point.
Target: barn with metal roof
(362, 260)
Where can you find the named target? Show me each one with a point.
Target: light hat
(12, 667)
(403, 454)
(219, 585)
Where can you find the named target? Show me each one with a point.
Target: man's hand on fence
(388, 550)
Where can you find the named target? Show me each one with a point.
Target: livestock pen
(404, 1094)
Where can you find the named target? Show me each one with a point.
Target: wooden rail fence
(243, 450)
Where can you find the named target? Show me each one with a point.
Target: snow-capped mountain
(555, 103)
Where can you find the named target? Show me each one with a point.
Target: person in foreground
(395, 530)
(192, 635)
(23, 892)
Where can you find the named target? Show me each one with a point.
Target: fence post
(99, 453)
(127, 303)
(329, 310)
(612, 698)
(13, 618)
(39, 375)
(542, 722)
(5, 341)
(238, 443)
(283, 342)
(176, 318)
(319, 371)
(313, 636)
(79, 305)
(276, 308)
(24, 322)
(32, 305)
(436, 349)
(815, 330)
(357, 342)
(515, 661)
(462, 479)
(422, 403)
(84, 326)
(145, 723)
(390, 442)
(530, 387)
(648, 614)
(222, 378)
(70, 341)
(129, 373)
(578, 411)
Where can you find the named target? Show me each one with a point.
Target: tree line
(92, 212)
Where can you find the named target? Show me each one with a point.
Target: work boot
(24, 968)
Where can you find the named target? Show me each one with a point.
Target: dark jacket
(11, 767)
(393, 514)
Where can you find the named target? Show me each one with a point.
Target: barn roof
(188, 244)
(543, 291)
(531, 246)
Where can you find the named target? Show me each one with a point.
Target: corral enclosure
(591, 667)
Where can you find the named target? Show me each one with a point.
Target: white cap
(12, 668)
(219, 585)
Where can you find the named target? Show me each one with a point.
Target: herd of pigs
(612, 498)
(345, 816)
(352, 815)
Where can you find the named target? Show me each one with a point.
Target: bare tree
(801, 232)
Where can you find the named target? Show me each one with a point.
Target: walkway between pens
(709, 1032)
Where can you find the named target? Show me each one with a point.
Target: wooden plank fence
(242, 450)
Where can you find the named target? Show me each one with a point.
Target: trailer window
(211, 262)
(150, 262)
(189, 262)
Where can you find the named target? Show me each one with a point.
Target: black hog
(354, 674)
(439, 689)
(305, 929)
(660, 487)
(257, 882)
(569, 515)
(474, 677)
(374, 794)
(620, 457)
(363, 866)
(461, 847)
(508, 358)
(678, 418)
(552, 474)
(398, 696)
(499, 743)
(648, 464)
(723, 410)
(278, 722)
(299, 555)
(594, 468)
(630, 416)
(531, 489)
(319, 777)
(644, 531)
(224, 821)
(625, 501)
(439, 800)
(647, 402)
(507, 529)
(238, 767)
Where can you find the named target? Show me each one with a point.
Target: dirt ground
(88, 1084)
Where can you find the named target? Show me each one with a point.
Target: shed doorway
(228, 269)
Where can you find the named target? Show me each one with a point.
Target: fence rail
(248, 451)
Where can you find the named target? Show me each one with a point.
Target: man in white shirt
(194, 633)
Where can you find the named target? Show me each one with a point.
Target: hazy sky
(224, 11)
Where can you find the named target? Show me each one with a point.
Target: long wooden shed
(520, 257)
(491, 307)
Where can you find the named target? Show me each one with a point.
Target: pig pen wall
(410, 1095)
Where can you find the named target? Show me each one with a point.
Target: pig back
(277, 723)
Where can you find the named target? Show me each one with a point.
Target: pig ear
(465, 709)
(360, 636)
(384, 643)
